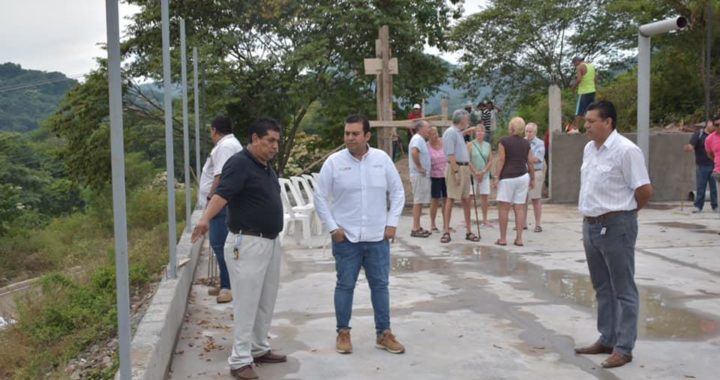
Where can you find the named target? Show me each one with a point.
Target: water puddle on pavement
(660, 316)
(686, 226)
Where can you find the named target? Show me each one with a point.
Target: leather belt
(604, 217)
(259, 234)
(460, 163)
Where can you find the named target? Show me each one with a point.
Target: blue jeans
(375, 258)
(218, 234)
(610, 253)
(703, 177)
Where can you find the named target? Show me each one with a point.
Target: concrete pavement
(478, 311)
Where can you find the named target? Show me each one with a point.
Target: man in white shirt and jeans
(614, 186)
(351, 200)
(226, 145)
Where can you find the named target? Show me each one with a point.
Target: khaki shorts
(536, 192)
(421, 189)
(454, 190)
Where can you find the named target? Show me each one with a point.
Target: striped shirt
(610, 175)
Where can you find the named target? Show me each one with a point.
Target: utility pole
(117, 158)
(169, 153)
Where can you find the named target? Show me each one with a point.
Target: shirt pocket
(603, 173)
(377, 179)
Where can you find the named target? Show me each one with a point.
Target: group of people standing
(359, 199)
(449, 169)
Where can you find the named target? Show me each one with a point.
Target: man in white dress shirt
(351, 200)
(226, 145)
(614, 186)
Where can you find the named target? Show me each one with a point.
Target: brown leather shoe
(244, 373)
(617, 360)
(594, 349)
(343, 344)
(388, 342)
(269, 357)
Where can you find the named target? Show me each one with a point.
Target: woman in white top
(481, 158)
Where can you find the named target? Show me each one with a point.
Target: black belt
(604, 217)
(259, 234)
(460, 163)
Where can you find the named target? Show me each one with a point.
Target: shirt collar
(611, 140)
(253, 159)
(228, 136)
(361, 158)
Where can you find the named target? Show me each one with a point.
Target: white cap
(416, 106)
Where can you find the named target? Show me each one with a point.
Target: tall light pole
(196, 99)
(117, 158)
(169, 153)
(643, 103)
(186, 133)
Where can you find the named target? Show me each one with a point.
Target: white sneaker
(696, 211)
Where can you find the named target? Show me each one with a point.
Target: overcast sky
(65, 35)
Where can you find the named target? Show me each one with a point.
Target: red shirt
(414, 114)
(712, 145)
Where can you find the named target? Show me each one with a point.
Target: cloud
(52, 35)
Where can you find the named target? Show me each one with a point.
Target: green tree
(278, 58)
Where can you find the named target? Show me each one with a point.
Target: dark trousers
(703, 179)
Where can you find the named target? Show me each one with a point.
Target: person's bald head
(531, 131)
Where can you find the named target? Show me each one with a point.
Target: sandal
(498, 242)
(518, 244)
(420, 233)
(538, 229)
(435, 229)
(445, 238)
(471, 236)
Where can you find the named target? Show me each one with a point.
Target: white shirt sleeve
(322, 193)
(396, 192)
(220, 156)
(633, 167)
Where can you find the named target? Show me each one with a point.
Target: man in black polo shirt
(250, 188)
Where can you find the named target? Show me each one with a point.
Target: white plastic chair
(311, 180)
(293, 210)
(307, 195)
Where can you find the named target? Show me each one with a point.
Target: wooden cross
(384, 67)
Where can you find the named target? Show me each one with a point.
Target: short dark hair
(358, 118)
(261, 126)
(222, 124)
(605, 109)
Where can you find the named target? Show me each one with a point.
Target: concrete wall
(672, 170)
(154, 340)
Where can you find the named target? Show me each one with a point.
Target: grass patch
(68, 312)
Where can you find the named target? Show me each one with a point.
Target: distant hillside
(29, 96)
(456, 98)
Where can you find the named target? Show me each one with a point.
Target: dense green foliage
(278, 58)
(34, 185)
(520, 47)
(73, 309)
(29, 96)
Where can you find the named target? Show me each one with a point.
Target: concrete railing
(154, 340)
